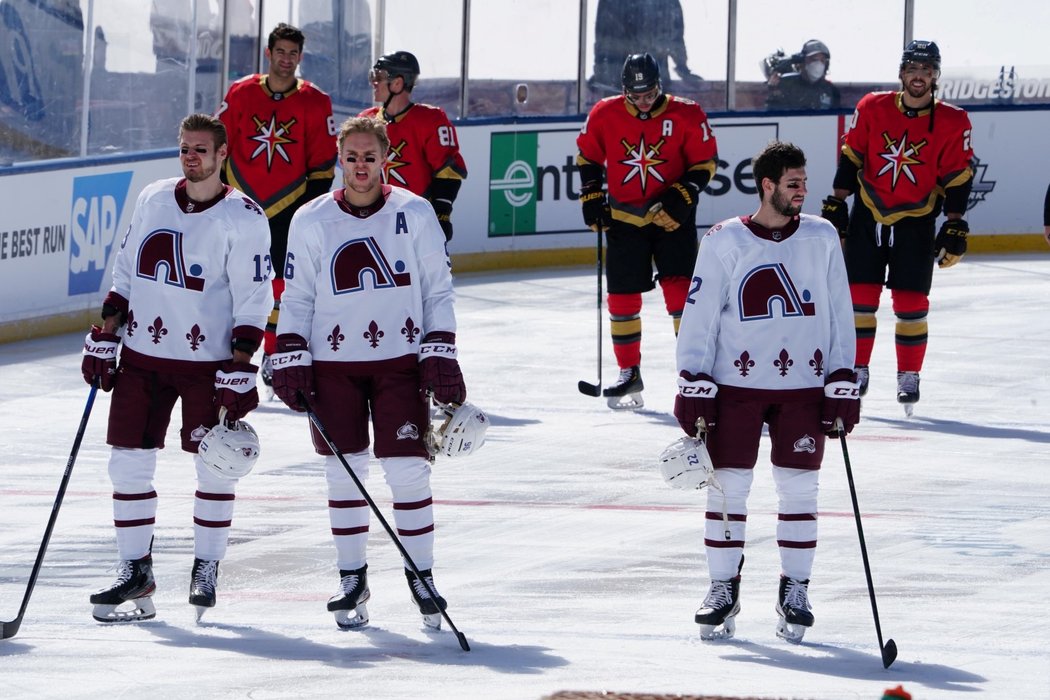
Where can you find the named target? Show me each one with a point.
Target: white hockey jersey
(190, 279)
(366, 289)
(768, 310)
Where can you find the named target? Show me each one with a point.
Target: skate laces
(348, 583)
(626, 375)
(125, 571)
(796, 595)
(720, 595)
(420, 590)
(908, 382)
(204, 577)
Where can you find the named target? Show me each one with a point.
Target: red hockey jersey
(644, 154)
(423, 147)
(903, 165)
(277, 141)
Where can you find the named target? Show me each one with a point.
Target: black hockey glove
(836, 211)
(595, 206)
(443, 209)
(950, 245)
(673, 207)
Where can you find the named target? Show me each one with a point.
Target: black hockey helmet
(641, 73)
(399, 63)
(918, 51)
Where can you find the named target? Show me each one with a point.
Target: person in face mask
(808, 86)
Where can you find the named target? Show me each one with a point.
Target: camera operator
(800, 81)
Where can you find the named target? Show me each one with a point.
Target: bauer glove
(293, 371)
(836, 211)
(235, 389)
(100, 358)
(696, 402)
(950, 245)
(439, 372)
(443, 209)
(841, 402)
(596, 210)
(673, 207)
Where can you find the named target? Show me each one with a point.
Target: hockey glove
(696, 402)
(100, 358)
(293, 371)
(950, 245)
(841, 402)
(443, 209)
(235, 389)
(439, 372)
(836, 211)
(673, 207)
(595, 206)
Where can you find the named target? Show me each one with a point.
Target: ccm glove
(950, 245)
(439, 372)
(100, 358)
(673, 207)
(836, 211)
(841, 402)
(595, 206)
(696, 402)
(443, 209)
(235, 389)
(293, 371)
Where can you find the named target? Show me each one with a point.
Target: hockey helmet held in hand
(229, 451)
(462, 432)
(686, 465)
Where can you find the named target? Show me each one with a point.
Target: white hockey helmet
(462, 432)
(686, 465)
(229, 451)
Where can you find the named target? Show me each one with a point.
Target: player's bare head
(365, 125)
(773, 161)
(198, 123)
(288, 33)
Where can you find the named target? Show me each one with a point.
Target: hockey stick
(586, 387)
(375, 509)
(10, 629)
(889, 649)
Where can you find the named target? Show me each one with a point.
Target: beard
(201, 173)
(783, 205)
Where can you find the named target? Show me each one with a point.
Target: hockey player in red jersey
(906, 156)
(282, 149)
(766, 339)
(367, 331)
(424, 149)
(657, 153)
(190, 296)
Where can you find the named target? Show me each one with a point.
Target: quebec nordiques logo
(98, 201)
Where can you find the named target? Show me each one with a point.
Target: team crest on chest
(393, 163)
(642, 161)
(272, 136)
(900, 156)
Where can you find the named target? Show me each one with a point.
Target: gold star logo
(642, 161)
(900, 156)
(272, 137)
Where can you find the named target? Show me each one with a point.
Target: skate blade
(715, 632)
(909, 409)
(627, 402)
(200, 610)
(142, 609)
(353, 619)
(791, 632)
(432, 622)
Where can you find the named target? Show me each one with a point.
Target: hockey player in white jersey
(190, 296)
(367, 329)
(767, 338)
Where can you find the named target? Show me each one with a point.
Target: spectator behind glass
(625, 27)
(807, 86)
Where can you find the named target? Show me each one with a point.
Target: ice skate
(203, 581)
(349, 603)
(134, 585)
(908, 391)
(716, 616)
(266, 374)
(626, 393)
(794, 610)
(429, 607)
(862, 378)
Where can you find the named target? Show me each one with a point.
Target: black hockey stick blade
(589, 389)
(889, 653)
(10, 629)
(463, 641)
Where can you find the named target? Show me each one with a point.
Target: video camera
(777, 62)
